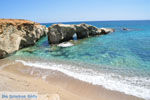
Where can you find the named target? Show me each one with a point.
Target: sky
(45, 11)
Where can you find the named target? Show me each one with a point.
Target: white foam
(108, 80)
(65, 44)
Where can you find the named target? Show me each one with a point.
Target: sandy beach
(75, 50)
(52, 85)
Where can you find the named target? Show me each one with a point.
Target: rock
(107, 30)
(82, 31)
(85, 30)
(32, 34)
(59, 33)
(94, 30)
(3, 54)
(125, 29)
(17, 34)
(130, 29)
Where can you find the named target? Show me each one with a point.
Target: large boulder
(17, 34)
(59, 33)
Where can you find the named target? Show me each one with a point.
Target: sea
(117, 61)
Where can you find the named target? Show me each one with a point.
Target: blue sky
(75, 10)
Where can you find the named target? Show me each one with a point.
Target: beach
(15, 77)
(110, 66)
(75, 50)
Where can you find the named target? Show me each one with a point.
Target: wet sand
(52, 85)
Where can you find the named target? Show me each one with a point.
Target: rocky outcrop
(81, 30)
(107, 30)
(17, 34)
(60, 32)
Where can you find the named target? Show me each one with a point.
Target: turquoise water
(118, 61)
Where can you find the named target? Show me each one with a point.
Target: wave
(136, 86)
(65, 44)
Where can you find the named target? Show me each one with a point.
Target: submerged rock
(17, 34)
(59, 33)
(126, 29)
(130, 29)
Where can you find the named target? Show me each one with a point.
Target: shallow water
(118, 61)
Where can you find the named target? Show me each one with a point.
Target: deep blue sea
(117, 61)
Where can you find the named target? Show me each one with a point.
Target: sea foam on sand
(108, 80)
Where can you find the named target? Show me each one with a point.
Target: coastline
(56, 84)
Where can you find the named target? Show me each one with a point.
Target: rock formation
(81, 30)
(17, 34)
(106, 30)
(60, 32)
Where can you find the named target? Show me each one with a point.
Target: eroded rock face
(17, 34)
(82, 31)
(60, 32)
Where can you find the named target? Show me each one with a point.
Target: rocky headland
(16, 34)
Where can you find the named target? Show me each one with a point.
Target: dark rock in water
(16, 34)
(125, 29)
(130, 29)
(85, 30)
(3, 54)
(60, 32)
(82, 31)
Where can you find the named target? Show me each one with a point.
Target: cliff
(16, 34)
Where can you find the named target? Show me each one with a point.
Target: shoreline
(67, 86)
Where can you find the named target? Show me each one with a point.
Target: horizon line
(95, 21)
(80, 20)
